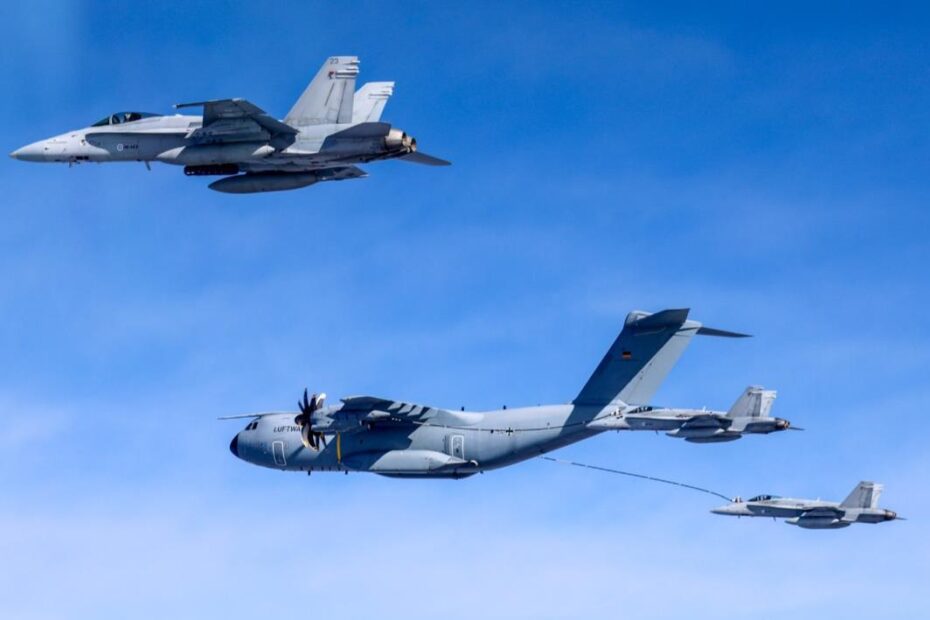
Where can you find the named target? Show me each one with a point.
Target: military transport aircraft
(384, 436)
(329, 130)
(861, 506)
(748, 415)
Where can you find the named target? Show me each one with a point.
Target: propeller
(311, 439)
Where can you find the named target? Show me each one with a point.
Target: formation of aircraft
(861, 506)
(329, 130)
(394, 438)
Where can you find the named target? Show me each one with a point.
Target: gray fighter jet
(860, 507)
(393, 438)
(748, 415)
(329, 130)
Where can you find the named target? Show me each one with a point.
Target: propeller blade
(323, 439)
(417, 157)
(795, 428)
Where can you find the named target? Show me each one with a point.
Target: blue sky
(767, 168)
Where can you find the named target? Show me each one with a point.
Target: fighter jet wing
(823, 511)
(708, 420)
(238, 120)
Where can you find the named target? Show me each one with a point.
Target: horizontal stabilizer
(710, 331)
(422, 158)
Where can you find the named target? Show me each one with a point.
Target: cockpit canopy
(762, 498)
(123, 117)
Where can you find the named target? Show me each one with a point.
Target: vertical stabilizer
(369, 101)
(865, 495)
(755, 402)
(329, 97)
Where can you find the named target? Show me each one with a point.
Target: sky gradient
(769, 169)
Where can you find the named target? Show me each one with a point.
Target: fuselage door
(455, 446)
(277, 449)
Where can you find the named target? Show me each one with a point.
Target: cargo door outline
(277, 450)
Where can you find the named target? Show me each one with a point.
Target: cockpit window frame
(121, 118)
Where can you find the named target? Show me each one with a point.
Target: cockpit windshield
(123, 117)
(762, 498)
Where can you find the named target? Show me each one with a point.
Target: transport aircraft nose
(234, 446)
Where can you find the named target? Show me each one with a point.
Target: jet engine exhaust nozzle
(398, 140)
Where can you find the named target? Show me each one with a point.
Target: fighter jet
(401, 439)
(748, 415)
(861, 506)
(329, 130)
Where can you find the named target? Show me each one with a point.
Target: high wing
(238, 120)
(373, 410)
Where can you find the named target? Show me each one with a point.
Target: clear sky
(769, 168)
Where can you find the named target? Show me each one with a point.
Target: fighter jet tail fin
(755, 402)
(865, 495)
(329, 97)
(369, 101)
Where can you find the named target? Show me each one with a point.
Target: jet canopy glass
(123, 117)
(762, 498)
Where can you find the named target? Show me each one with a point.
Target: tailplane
(755, 402)
(368, 103)
(865, 495)
(329, 97)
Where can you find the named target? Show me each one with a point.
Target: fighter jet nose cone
(234, 446)
(30, 152)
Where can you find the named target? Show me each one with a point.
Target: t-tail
(641, 357)
(329, 98)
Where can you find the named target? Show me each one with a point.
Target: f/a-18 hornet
(861, 506)
(329, 130)
(749, 415)
(384, 436)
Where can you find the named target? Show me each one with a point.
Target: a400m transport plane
(383, 436)
(329, 130)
